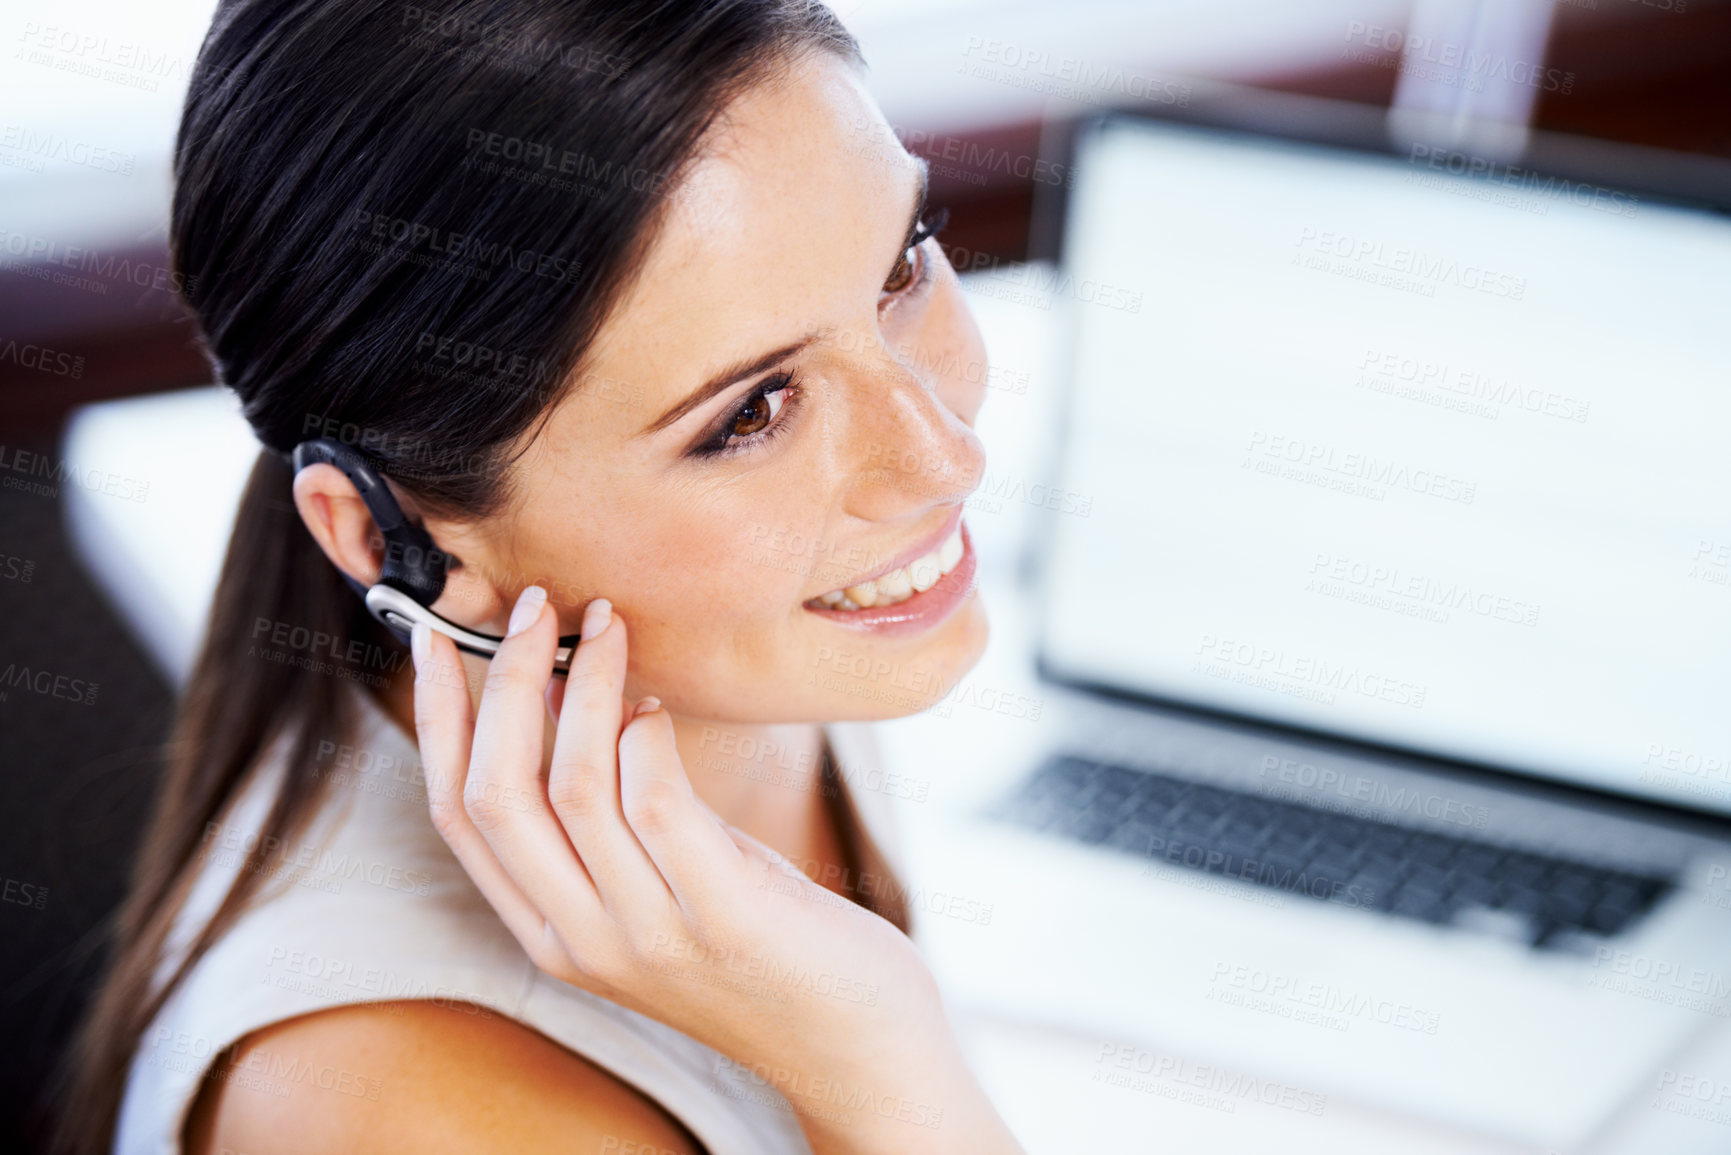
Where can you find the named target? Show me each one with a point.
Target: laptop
(1367, 724)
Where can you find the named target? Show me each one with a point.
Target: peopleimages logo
(44, 251)
(42, 359)
(39, 146)
(1275, 668)
(21, 893)
(19, 466)
(1456, 163)
(46, 684)
(1388, 586)
(1344, 1003)
(1424, 270)
(1661, 980)
(546, 157)
(1276, 876)
(1363, 788)
(1140, 1070)
(1383, 372)
(1449, 62)
(416, 239)
(1361, 471)
(1071, 77)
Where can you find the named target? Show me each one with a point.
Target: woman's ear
(344, 528)
(339, 521)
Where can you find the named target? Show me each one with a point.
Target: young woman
(635, 308)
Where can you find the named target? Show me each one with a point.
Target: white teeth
(895, 586)
(950, 552)
(925, 572)
(899, 585)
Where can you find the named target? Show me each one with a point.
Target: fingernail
(528, 610)
(646, 706)
(596, 617)
(420, 640)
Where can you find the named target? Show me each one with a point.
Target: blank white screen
(1482, 511)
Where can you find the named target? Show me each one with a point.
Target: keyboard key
(1419, 903)
(1432, 850)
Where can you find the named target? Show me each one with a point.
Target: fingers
(644, 842)
(556, 702)
(503, 796)
(583, 781)
(443, 731)
(507, 743)
(555, 697)
(682, 836)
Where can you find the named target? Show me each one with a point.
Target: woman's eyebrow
(733, 374)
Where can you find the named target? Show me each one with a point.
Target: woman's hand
(615, 877)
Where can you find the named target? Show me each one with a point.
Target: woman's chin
(862, 685)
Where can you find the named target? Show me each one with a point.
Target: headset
(414, 572)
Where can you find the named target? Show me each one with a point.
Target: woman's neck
(744, 769)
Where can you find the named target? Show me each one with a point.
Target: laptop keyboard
(1315, 853)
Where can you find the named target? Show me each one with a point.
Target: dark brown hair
(358, 186)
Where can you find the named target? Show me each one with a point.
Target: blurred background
(90, 94)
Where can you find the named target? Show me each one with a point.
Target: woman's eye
(903, 274)
(758, 411)
(755, 420)
(913, 265)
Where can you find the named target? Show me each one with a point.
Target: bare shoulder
(423, 1077)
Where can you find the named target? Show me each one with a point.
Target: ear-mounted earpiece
(414, 569)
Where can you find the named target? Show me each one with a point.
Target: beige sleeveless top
(370, 905)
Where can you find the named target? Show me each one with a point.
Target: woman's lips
(920, 612)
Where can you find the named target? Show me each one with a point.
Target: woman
(626, 302)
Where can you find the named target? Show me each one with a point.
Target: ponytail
(237, 704)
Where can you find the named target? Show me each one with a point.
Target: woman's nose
(911, 451)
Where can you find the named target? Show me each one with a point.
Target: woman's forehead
(779, 228)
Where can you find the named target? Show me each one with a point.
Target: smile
(913, 596)
(901, 583)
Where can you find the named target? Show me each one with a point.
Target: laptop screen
(1369, 447)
